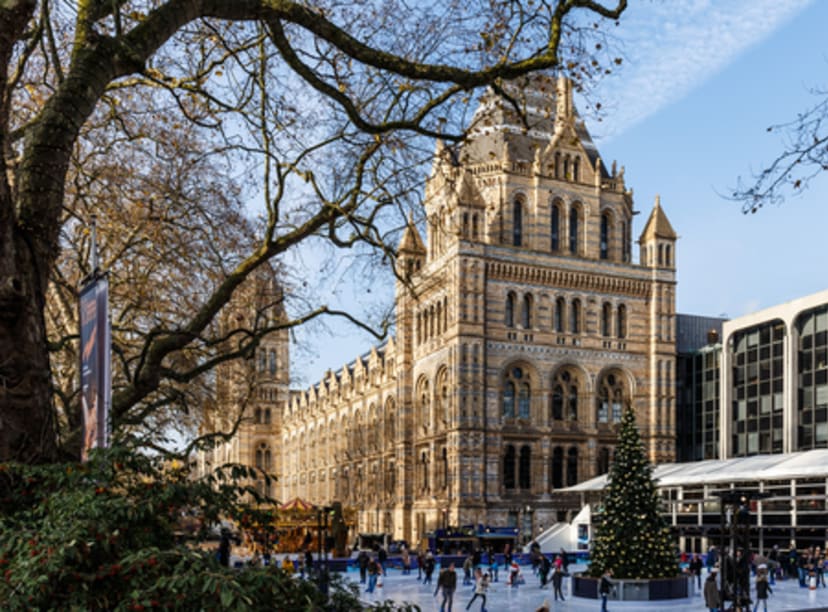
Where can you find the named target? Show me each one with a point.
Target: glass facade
(812, 375)
(757, 385)
(698, 398)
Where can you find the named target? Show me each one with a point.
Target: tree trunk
(27, 427)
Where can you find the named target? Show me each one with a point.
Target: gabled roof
(658, 226)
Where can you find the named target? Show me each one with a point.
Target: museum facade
(522, 329)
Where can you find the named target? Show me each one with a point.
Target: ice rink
(787, 595)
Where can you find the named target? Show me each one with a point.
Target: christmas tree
(631, 536)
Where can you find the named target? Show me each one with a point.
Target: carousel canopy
(297, 503)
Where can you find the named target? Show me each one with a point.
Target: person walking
(557, 582)
(695, 566)
(605, 587)
(763, 587)
(447, 582)
(481, 585)
(420, 564)
(711, 591)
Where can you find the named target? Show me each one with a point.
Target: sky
(687, 115)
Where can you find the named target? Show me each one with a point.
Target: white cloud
(672, 47)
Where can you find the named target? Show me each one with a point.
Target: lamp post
(734, 509)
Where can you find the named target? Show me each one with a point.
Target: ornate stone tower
(523, 328)
(251, 393)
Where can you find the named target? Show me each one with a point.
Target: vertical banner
(96, 380)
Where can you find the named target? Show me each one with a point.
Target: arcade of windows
(432, 321)
(517, 392)
(569, 238)
(267, 361)
(613, 319)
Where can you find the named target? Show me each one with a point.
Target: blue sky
(687, 115)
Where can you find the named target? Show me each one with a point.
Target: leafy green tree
(631, 536)
(130, 532)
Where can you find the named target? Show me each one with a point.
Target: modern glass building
(698, 386)
(774, 384)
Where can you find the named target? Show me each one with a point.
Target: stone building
(250, 393)
(525, 328)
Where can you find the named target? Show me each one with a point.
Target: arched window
(565, 396)
(257, 418)
(262, 360)
(555, 227)
(557, 164)
(526, 312)
(510, 309)
(574, 217)
(424, 470)
(424, 404)
(603, 460)
(576, 169)
(557, 403)
(606, 319)
(474, 227)
(509, 467)
(509, 400)
(445, 470)
(441, 412)
(610, 397)
(556, 473)
(516, 389)
(605, 222)
(572, 467)
(667, 255)
(575, 316)
(272, 362)
(390, 422)
(517, 223)
(465, 225)
(559, 314)
(263, 457)
(525, 467)
(621, 327)
(625, 247)
(661, 254)
(267, 416)
(524, 400)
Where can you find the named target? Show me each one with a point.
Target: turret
(658, 240)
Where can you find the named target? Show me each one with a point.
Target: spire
(658, 226)
(411, 241)
(564, 108)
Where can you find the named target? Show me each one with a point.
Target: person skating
(428, 567)
(762, 588)
(447, 582)
(481, 585)
(695, 567)
(557, 582)
(374, 571)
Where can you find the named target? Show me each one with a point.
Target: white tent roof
(805, 464)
